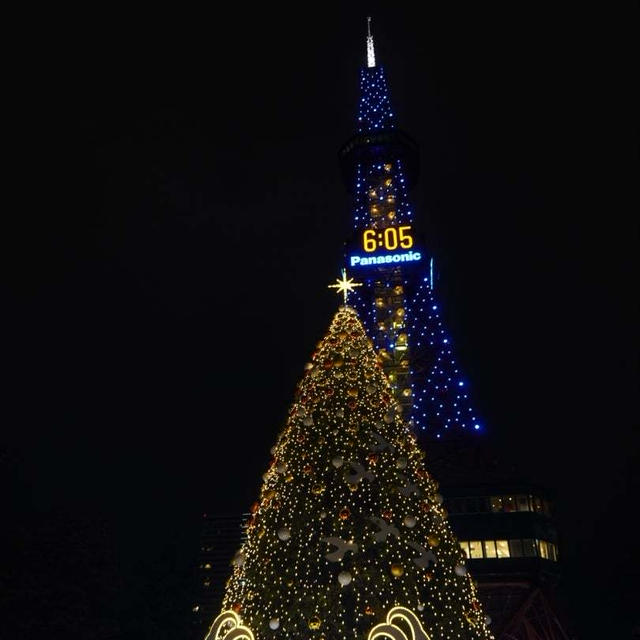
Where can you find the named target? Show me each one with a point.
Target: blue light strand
(374, 113)
(441, 399)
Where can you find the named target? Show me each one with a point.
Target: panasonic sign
(393, 258)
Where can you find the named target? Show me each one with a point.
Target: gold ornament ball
(397, 570)
(344, 513)
(433, 540)
(353, 487)
(314, 623)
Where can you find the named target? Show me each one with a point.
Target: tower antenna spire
(371, 54)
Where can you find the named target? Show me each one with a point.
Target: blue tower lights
(441, 400)
(375, 107)
(395, 192)
(439, 396)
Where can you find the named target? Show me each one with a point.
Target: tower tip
(371, 55)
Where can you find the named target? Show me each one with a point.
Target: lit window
(475, 549)
(554, 551)
(496, 504)
(502, 548)
(542, 545)
(523, 503)
(509, 503)
(489, 549)
(515, 548)
(537, 503)
(465, 547)
(529, 548)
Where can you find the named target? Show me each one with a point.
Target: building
(220, 538)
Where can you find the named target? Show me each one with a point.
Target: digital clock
(386, 246)
(390, 238)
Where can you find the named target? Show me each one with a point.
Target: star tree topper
(345, 286)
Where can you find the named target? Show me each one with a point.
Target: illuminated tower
(397, 304)
(503, 523)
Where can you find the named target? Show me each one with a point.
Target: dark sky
(184, 212)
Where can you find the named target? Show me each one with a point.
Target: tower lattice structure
(397, 303)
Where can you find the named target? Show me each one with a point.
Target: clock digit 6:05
(392, 237)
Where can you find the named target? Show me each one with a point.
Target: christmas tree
(348, 539)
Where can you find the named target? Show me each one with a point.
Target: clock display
(390, 239)
(387, 246)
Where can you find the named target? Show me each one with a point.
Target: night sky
(183, 213)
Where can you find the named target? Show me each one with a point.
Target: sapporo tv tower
(504, 523)
(385, 254)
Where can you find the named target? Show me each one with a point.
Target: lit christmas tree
(348, 540)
